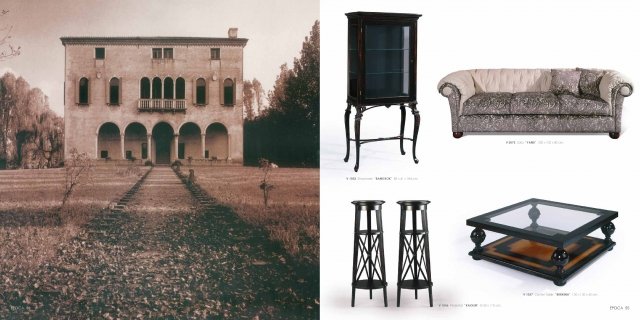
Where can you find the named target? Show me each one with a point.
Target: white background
(479, 173)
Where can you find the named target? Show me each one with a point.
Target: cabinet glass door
(353, 60)
(387, 56)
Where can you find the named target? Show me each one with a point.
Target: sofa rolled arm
(614, 86)
(624, 89)
(453, 95)
(462, 80)
(457, 87)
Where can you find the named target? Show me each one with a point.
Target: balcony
(162, 105)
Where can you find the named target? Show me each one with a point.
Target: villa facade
(154, 98)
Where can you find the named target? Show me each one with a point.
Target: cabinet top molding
(382, 15)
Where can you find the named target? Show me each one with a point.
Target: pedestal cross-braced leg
(414, 265)
(381, 260)
(368, 257)
(401, 250)
(427, 256)
(356, 249)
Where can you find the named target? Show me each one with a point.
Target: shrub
(148, 163)
(176, 164)
(77, 164)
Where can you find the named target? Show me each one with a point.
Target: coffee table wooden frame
(524, 249)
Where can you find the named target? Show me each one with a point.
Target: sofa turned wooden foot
(458, 135)
(614, 135)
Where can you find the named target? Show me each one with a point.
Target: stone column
(149, 147)
(202, 143)
(97, 146)
(122, 146)
(175, 145)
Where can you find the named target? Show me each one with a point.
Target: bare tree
(7, 50)
(265, 186)
(76, 169)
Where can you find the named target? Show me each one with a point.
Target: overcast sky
(275, 29)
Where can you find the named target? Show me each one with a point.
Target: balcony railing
(162, 105)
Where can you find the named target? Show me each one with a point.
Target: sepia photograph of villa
(159, 159)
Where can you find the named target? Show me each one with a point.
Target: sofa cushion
(590, 82)
(511, 80)
(488, 103)
(535, 103)
(565, 81)
(583, 105)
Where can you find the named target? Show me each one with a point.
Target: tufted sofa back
(511, 80)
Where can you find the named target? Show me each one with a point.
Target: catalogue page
(517, 113)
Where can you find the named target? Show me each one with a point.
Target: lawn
(293, 213)
(30, 228)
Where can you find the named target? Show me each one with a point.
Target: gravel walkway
(165, 256)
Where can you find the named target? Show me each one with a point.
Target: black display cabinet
(382, 62)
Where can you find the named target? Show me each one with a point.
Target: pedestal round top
(413, 202)
(368, 203)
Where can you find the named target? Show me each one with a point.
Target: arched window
(145, 88)
(228, 92)
(156, 88)
(201, 91)
(180, 89)
(83, 91)
(168, 88)
(114, 91)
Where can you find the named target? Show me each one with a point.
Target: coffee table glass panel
(544, 238)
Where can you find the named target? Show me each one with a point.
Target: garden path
(165, 256)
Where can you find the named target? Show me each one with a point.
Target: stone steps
(112, 218)
(203, 198)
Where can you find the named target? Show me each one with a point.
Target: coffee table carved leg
(347, 113)
(608, 229)
(560, 258)
(534, 214)
(477, 236)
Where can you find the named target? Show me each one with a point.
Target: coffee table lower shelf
(535, 258)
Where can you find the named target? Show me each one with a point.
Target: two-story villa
(154, 98)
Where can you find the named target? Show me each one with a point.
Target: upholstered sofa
(535, 100)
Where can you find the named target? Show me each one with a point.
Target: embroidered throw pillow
(565, 81)
(590, 82)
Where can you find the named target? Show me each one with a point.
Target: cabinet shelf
(385, 72)
(386, 49)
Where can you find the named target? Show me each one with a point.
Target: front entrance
(162, 136)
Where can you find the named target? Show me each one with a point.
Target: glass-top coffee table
(544, 238)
